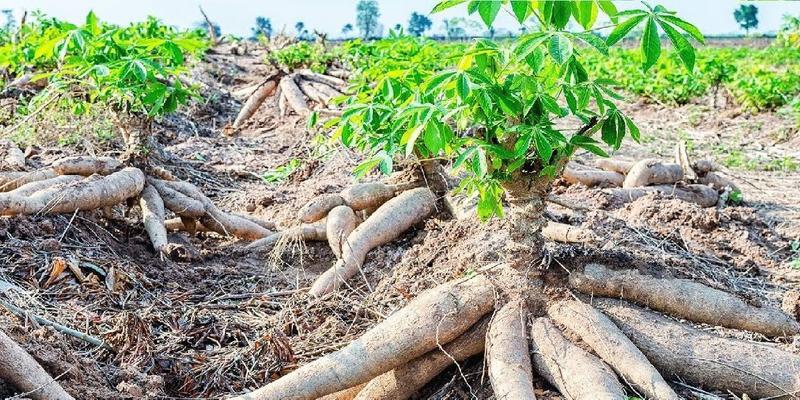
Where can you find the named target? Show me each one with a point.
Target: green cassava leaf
(682, 45)
(560, 48)
(623, 28)
(651, 44)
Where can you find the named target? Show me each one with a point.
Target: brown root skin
(387, 223)
(312, 93)
(184, 224)
(367, 195)
(436, 317)
(153, 217)
(701, 195)
(566, 233)
(591, 178)
(612, 165)
(683, 298)
(703, 167)
(219, 221)
(319, 207)
(707, 360)
(324, 79)
(305, 232)
(652, 172)
(577, 374)
(340, 223)
(347, 394)
(178, 202)
(294, 96)
(91, 193)
(12, 180)
(264, 224)
(608, 342)
(86, 166)
(403, 382)
(264, 90)
(33, 187)
(21, 370)
(507, 353)
(327, 91)
(718, 182)
(682, 159)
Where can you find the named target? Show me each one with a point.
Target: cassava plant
(509, 116)
(137, 72)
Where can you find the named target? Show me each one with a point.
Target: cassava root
(388, 222)
(20, 369)
(703, 359)
(683, 298)
(435, 317)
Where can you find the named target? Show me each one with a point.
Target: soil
(231, 320)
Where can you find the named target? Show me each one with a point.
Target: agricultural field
(602, 206)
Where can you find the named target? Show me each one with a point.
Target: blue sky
(237, 16)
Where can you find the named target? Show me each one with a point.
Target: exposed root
(365, 196)
(319, 207)
(264, 90)
(701, 195)
(86, 166)
(388, 222)
(312, 232)
(684, 298)
(682, 159)
(704, 359)
(566, 233)
(618, 166)
(403, 382)
(591, 178)
(178, 202)
(435, 317)
(33, 187)
(92, 193)
(294, 96)
(20, 369)
(153, 219)
(577, 374)
(596, 330)
(340, 223)
(507, 353)
(331, 81)
(652, 172)
(12, 180)
(718, 182)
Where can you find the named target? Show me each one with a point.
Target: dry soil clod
(683, 298)
(577, 374)
(436, 317)
(608, 342)
(707, 360)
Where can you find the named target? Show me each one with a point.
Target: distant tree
(346, 29)
(747, 17)
(460, 28)
(263, 27)
(398, 27)
(10, 23)
(418, 24)
(204, 26)
(300, 26)
(367, 18)
(491, 32)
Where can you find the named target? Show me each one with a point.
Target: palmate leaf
(651, 44)
(444, 5)
(488, 10)
(682, 45)
(521, 9)
(685, 26)
(623, 28)
(560, 48)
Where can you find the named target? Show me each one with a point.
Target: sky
(238, 16)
